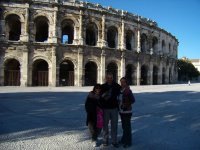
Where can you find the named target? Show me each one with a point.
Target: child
(94, 113)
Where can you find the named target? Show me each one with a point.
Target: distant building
(196, 63)
(75, 43)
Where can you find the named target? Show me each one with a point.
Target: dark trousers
(126, 126)
(94, 131)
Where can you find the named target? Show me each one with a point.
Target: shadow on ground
(165, 120)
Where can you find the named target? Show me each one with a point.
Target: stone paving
(165, 117)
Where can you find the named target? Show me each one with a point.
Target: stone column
(138, 74)
(138, 45)
(25, 37)
(24, 68)
(103, 66)
(150, 73)
(1, 70)
(53, 67)
(123, 46)
(54, 38)
(80, 68)
(81, 28)
(122, 72)
(2, 28)
(104, 43)
(160, 73)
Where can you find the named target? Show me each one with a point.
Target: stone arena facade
(74, 43)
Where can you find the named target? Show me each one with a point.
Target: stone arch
(112, 68)
(144, 42)
(130, 38)
(66, 73)
(6, 14)
(12, 72)
(155, 44)
(13, 27)
(91, 34)
(41, 28)
(91, 73)
(112, 37)
(155, 75)
(144, 75)
(67, 33)
(163, 46)
(40, 73)
(130, 74)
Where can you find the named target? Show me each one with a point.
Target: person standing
(94, 113)
(110, 92)
(126, 99)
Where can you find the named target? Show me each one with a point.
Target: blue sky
(179, 17)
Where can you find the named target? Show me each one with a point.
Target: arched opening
(12, 73)
(163, 45)
(144, 75)
(163, 76)
(113, 69)
(67, 32)
(90, 74)
(112, 36)
(91, 34)
(66, 73)
(129, 40)
(13, 27)
(130, 74)
(155, 75)
(40, 74)
(155, 44)
(143, 42)
(42, 29)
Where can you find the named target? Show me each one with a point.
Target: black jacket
(109, 95)
(91, 104)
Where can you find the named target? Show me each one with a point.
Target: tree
(186, 70)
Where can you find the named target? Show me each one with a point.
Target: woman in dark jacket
(126, 99)
(91, 106)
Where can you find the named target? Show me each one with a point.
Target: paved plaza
(165, 117)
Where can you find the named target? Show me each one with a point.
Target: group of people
(103, 105)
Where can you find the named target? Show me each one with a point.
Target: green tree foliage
(186, 70)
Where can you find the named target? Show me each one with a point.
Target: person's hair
(97, 86)
(124, 78)
(109, 74)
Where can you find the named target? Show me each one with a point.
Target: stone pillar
(160, 73)
(57, 74)
(104, 43)
(2, 29)
(25, 37)
(138, 41)
(1, 70)
(122, 72)
(123, 46)
(24, 68)
(54, 38)
(103, 66)
(54, 66)
(81, 28)
(150, 73)
(138, 75)
(80, 68)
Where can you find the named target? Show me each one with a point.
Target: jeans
(110, 115)
(126, 126)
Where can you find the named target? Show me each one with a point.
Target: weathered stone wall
(149, 45)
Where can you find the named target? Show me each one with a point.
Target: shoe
(105, 144)
(126, 145)
(116, 145)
